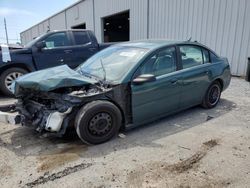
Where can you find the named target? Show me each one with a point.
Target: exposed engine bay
(55, 111)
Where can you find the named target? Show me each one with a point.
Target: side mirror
(144, 78)
(40, 45)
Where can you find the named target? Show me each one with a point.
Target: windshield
(112, 63)
(31, 43)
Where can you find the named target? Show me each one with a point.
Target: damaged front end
(49, 100)
(52, 111)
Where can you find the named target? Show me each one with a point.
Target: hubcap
(100, 124)
(214, 95)
(10, 78)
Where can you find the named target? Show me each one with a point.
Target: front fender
(16, 58)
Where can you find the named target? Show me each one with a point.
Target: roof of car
(151, 44)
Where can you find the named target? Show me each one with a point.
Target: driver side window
(163, 62)
(57, 40)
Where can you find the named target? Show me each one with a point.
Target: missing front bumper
(10, 118)
(8, 114)
(8, 108)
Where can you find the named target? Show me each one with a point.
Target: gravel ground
(194, 148)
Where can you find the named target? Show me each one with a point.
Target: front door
(56, 52)
(157, 98)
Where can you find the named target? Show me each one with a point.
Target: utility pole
(6, 32)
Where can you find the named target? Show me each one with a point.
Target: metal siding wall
(81, 13)
(223, 25)
(23, 37)
(58, 22)
(34, 32)
(138, 15)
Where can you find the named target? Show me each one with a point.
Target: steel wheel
(214, 95)
(98, 122)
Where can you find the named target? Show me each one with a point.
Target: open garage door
(81, 26)
(116, 27)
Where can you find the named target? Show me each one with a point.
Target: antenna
(104, 71)
(189, 39)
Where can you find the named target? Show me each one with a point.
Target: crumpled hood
(50, 79)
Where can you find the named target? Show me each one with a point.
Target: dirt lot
(195, 148)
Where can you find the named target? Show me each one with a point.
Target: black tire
(212, 96)
(98, 122)
(4, 76)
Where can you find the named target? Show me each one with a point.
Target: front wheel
(212, 96)
(98, 122)
(8, 77)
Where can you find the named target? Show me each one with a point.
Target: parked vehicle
(123, 86)
(70, 47)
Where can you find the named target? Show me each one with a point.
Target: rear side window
(213, 57)
(81, 38)
(206, 56)
(191, 56)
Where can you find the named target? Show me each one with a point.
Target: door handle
(68, 51)
(92, 49)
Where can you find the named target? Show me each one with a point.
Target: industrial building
(222, 25)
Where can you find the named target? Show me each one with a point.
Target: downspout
(147, 19)
(94, 16)
(66, 24)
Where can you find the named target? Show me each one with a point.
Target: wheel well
(122, 113)
(220, 82)
(16, 65)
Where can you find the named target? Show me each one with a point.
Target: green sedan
(123, 86)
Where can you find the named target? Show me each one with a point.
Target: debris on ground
(209, 118)
(121, 135)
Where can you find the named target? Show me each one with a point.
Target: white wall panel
(23, 37)
(222, 25)
(34, 32)
(81, 13)
(58, 22)
(43, 27)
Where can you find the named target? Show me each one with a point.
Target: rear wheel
(212, 96)
(98, 122)
(8, 77)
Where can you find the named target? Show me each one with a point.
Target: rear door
(162, 96)
(83, 47)
(196, 73)
(56, 52)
